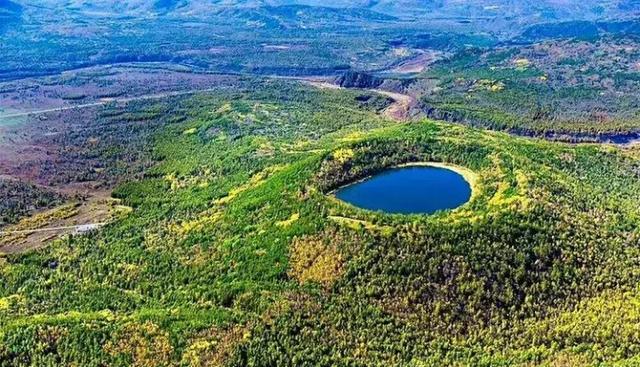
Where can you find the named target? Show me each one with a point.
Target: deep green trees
(236, 254)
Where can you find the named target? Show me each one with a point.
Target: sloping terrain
(569, 88)
(10, 15)
(168, 170)
(233, 254)
(21, 199)
(290, 37)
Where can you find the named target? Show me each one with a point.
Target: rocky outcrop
(354, 79)
(619, 138)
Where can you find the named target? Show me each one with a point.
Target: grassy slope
(234, 255)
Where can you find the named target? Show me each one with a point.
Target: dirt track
(38, 230)
(107, 101)
(399, 110)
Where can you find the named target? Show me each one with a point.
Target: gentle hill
(580, 30)
(9, 6)
(497, 12)
(167, 5)
(288, 16)
(10, 14)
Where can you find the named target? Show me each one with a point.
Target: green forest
(580, 88)
(235, 253)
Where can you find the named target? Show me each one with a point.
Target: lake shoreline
(470, 177)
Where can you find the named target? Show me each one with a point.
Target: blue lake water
(409, 190)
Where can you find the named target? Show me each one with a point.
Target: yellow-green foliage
(202, 221)
(213, 347)
(352, 137)
(488, 85)
(14, 301)
(225, 108)
(358, 224)
(606, 321)
(315, 259)
(141, 345)
(343, 155)
(255, 181)
(522, 64)
(561, 359)
(43, 219)
(263, 267)
(200, 180)
(509, 192)
(286, 223)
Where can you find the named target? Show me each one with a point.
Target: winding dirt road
(399, 110)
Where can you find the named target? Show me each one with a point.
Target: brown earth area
(55, 136)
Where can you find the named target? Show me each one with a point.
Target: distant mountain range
(9, 9)
(544, 9)
(10, 13)
(502, 18)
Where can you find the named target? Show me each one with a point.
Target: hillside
(547, 10)
(232, 254)
(10, 14)
(263, 183)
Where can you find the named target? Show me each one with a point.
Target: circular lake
(409, 190)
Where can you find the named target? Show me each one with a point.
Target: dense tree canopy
(237, 254)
